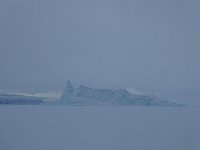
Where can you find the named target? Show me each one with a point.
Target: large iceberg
(89, 96)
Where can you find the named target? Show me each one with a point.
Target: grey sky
(101, 43)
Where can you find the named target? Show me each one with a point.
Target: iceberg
(84, 95)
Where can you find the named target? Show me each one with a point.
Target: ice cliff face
(88, 96)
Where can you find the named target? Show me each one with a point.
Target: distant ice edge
(86, 96)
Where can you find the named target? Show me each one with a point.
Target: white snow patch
(134, 91)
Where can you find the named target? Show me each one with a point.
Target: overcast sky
(100, 43)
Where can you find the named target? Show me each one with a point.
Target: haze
(100, 43)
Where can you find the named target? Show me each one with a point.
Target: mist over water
(151, 48)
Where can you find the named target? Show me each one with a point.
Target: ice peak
(69, 84)
(68, 92)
